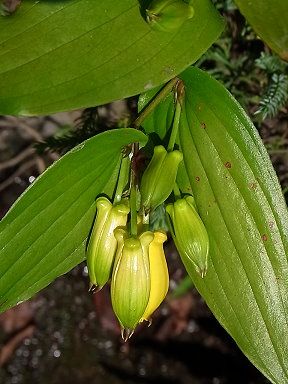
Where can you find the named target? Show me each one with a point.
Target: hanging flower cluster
(123, 249)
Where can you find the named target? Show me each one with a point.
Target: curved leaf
(43, 235)
(241, 204)
(270, 21)
(66, 54)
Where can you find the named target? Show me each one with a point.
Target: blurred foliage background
(64, 332)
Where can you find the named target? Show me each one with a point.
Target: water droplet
(57, 353)
(31, 179)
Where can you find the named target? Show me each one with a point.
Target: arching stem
(122, 179)
(154, 102)
(179, 95)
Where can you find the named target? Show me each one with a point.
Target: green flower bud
(102, 244)
(168, 15)
(130, 288)
(189, 234)
(159, 178)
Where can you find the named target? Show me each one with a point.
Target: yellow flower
(159, 276)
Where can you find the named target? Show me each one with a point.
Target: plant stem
(154, 102)
(175, 127)
(177, 192)
(122, 179)
(133, 210)
(179, 96)
(133, 191)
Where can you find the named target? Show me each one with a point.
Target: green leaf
(44, 234)
(270, 21)
(61, 55)
(241, 204)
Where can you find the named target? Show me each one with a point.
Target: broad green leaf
(241, 204)
(270, 21)
(44, 234)
(66, 54)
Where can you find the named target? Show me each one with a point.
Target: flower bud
(189, 234)
(130, 288)
(102, 244)
(168, 15)
(159, 178)
(158, 274)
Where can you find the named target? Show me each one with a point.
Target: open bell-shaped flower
(189, 234)
(159, 277)
(130, 288)
(159, 178)
(102, 244)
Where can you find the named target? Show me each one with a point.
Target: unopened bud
(130, 288)
(168, 15)
(159, 178)
(102, 244)
(159, 276)
(189, 234)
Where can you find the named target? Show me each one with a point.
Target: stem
(177, 192)
(179, 97)
(122, 179)
(154, 102)
(175, 127)
(133, 192)
(133, 210)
